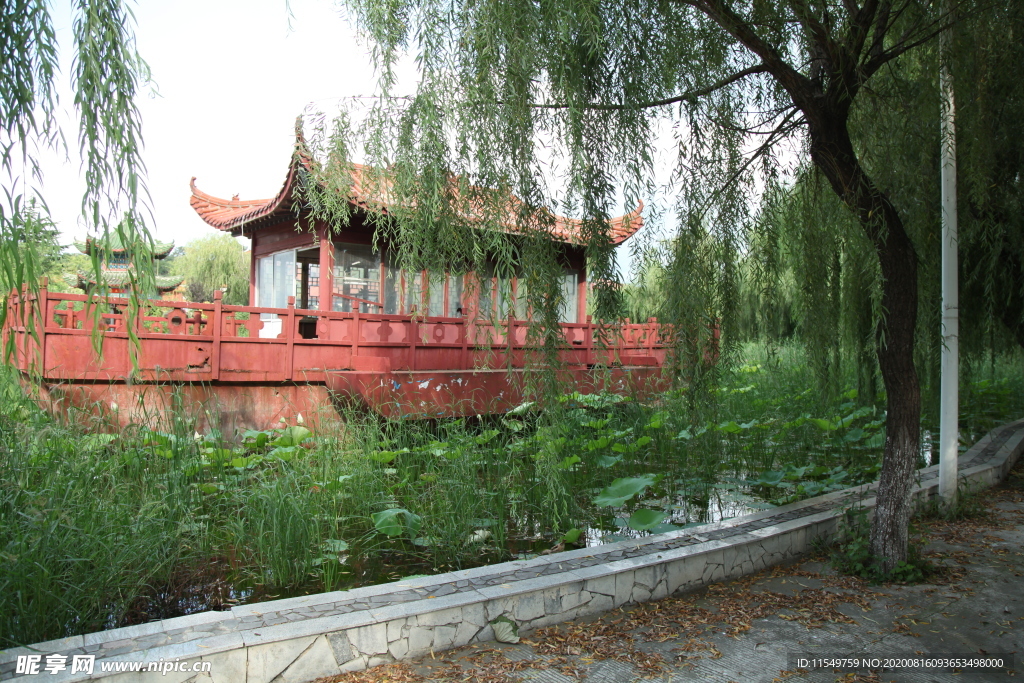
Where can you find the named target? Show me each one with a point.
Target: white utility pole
(949, 412)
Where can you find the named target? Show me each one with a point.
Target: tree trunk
(824, 98)
(832, 152)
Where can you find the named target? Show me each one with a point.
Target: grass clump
(969, 504)
(852, 555)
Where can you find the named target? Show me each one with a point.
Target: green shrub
(853, 556)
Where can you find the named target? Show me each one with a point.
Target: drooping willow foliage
(577, 99)
(526, 108)
(806, 270)
(794, 129)
(105, 78)
(810, 274)
(990, 102)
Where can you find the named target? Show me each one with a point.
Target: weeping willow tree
(105, 76)
(990, 95)
(507, 91)
(812, 276)
(808, 237)
(216, 262)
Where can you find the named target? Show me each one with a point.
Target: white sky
(231, 79)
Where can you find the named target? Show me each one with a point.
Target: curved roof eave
(243, 217)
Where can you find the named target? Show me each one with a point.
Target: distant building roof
(114, 245)
(239, 216)
(117, 276)
(119, 279)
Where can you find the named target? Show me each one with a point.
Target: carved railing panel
(234, 340)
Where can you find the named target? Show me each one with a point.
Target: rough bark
(832, 152)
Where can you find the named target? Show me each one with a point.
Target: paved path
(742, 631)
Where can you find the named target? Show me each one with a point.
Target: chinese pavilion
(330, 322)
(116, 267)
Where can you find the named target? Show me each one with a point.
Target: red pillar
(252, 271)
(581, 297)
(326, 268)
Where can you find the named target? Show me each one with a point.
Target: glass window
(570, 294)
(425, 301)
(264, 281)
(284, 278)
(455, 296)
(435, 294)
(356, 278)
(413, 292)
(521, 301)
(485, 300)
(392, 287)
(495, 295)
(276, 279)
(503, 293)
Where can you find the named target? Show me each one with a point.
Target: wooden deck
(264, 364)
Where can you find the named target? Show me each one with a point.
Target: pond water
(210, 586)
(686, 502)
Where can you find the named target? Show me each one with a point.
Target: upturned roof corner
(243, 217)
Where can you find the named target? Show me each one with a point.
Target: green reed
(102, 529)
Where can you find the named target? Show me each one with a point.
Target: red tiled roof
(241, 216)
(244, 216)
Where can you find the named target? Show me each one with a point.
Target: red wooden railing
(186, 341)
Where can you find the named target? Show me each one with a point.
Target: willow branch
(784, 127)
(821, 35)
(798, 85)
(686, 96)
(903, 45)
(860, 26)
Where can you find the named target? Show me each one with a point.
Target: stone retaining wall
(301, 639)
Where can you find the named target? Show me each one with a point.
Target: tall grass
(100, 530)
